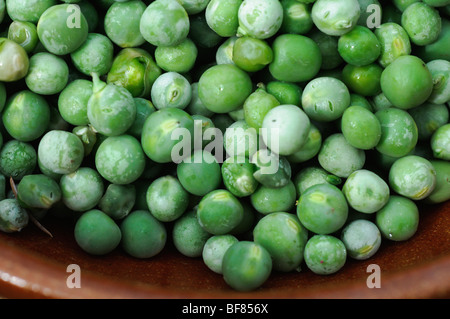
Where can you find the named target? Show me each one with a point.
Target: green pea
(60, 152)
(440, 72)
(439, 49)
(361, 128)
(359, 47)
(13, 217)
(23, 10)
(194, 6)
(441, 192)
(328, 46)
(339, 157)
(97, 233)
(118, 200)
(90, 13)
(120, 159)
(2, 10)
(95, 55)
(135, 70)
(256, 106)
(240, 139)
(237, 175)
(200, 173)
(260, 19)
(322, 209)
(38, 191)
(398, 220)
(164, 23)
(157, 141)
(206, 126)
(356, 99)
(144, 108)
(335, 17)
(17, 159)
(278, 174)
(285, 129)
(403, 4)
(362, 239)
(292, 52)
(285, 92)
(284, 237)
(188, 235)
(48, 74)
(25, 34)
(325, 99)
(111, 109)
(82, 189)
(422, 23)
(436, 3)
(237, 115)
(251, 54)
(363, 80)
(196, 105)
(222, 16)
(440, 142)
(380, 102)
(26, 116)
(171, 89)
(143, 236)
(224, 88)
(246, 266)
(268, 200)
(167, 200)
(179, 58)
(407, 82)
(219, 212)
(325, 254)
(399, 139)
(366, 191)
(428, 118)
(313, 175)
(62, 29)
(296, 17)
(224, 53)
(73, 101)
(122, 23)
(214, 250)
(202, 35)
(394, 42)
(14, 61)
(88, 137)
(412, 176)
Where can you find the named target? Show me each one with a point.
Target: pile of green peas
(348, 99)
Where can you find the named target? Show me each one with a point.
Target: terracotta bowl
(33, 265)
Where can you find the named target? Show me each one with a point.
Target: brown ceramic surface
(33, 265)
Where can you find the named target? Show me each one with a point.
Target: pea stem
(32, 218)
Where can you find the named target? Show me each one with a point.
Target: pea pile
(259, 135)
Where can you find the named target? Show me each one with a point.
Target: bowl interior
(34, 265)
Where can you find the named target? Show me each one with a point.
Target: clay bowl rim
(29, 273)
